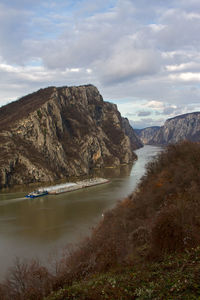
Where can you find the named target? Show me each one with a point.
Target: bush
(26, 281)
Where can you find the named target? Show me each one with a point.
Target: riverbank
(147, 247)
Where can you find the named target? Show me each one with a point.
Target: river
(31, 228)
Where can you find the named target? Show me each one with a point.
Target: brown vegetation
(26, 281)
(9, 113)
(163, 216)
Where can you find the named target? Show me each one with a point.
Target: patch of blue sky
(35, 63)
(129, 106)
(49, 25)
(48, 19)
(88, 8)
(60, 7)
(127, 100)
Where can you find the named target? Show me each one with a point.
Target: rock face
(183, 127)
(147, 134)
(134, 139)
(60, 132)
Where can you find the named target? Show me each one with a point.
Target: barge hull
(79, 185)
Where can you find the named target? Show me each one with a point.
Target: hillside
(179, 128)
(60, 132)
(148, 247)
(147, 133)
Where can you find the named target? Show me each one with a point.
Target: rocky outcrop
(183, 127)
(60, 132)
(136, 142)
(147, 134)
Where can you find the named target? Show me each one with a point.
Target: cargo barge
(67, 187)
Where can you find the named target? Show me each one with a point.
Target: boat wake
(10, 201)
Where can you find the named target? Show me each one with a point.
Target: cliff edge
(60, 132)
(179, 128)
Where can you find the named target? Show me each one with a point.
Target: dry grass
(9, 114)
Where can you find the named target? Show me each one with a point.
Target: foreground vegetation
(173, 277)
(148, 247)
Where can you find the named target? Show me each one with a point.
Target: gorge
(174, 130)
(55, 133)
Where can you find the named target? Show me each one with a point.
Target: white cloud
(128, 63)
(157, 27)
(191, 16)
(144, 56)
(186, 77)
(155, 104)
(183, 67)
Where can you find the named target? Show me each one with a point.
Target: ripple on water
(10, 201)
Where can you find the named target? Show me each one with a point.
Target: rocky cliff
(134, 139)
(60, 132)
(183, 127)
(147, 133)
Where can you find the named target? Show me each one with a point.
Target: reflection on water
(35, 227)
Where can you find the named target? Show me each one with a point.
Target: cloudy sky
(142, 55)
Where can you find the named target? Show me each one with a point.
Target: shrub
(26, 281)
(39, 114)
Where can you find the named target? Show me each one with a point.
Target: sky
(142, 55)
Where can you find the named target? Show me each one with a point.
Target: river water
(36, 228)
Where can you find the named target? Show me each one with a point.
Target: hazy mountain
(147, 133)
(183, 127)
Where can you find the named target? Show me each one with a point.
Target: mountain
(135, 140)
(60, 132)
(147, 133)
(183, 127)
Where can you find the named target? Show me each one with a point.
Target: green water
(39, 227)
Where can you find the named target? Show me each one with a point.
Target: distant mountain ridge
(182, 127)
(147, 133)
(60, 132)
